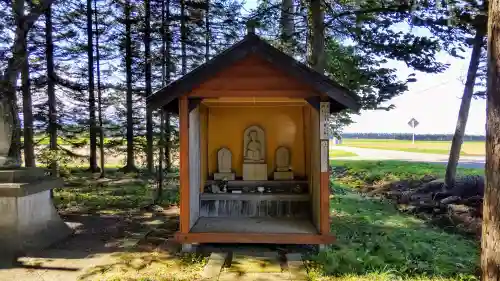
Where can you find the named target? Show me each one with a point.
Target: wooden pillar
(324, 113)
(184, 163)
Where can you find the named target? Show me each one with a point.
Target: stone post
(28, 218)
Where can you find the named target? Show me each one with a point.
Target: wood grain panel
(253, 76)
(257, 92)
(324, 203)
(203, 145)
(253, 83)
(267, 238)
(184, 163)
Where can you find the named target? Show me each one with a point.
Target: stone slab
(254, 171)
(26, 189)
(19, 175)
(283, 175)
(254, 276)
(296, 266)
(265, 262)
(29, 222)
(213, 268)
(227, 176)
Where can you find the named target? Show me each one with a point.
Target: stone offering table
(29, 220)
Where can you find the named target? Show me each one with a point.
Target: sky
(433, 100)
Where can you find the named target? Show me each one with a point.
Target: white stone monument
(224, 160)
(254, 154)
(29, 219)
(283, 168)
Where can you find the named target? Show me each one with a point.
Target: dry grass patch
(142, 266)
(433, 147)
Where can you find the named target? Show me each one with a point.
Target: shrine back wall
(283, 126)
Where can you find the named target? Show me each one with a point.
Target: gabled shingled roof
(252, 44)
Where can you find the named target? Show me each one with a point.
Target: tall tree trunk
(14, 153)
(159, 193)
(490, 241)
(49, 52)
(99, 93)
(286, 23)
(161, 144)
(149, 114)
(168, 61)
(9, 78)
(463, 113)
(130, 166)
(90, 60)
(29, 151)
(183, 38)
(317, 59)
(207, 32)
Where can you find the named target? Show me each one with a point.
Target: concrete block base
(29, 222)
(29, 219)
(254, 172)
(322, 247)
(188, 248)
(222, 176)
(283, 175)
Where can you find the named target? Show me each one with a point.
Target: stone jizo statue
(283, 167)
(282, 159)
(254, 146)
(224, 160)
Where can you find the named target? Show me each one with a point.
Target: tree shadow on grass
(84, 193)
(373, 236)
(147, 265)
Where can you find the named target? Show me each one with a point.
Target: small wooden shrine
(253, 147)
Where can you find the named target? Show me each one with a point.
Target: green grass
(374, 240)
(341, 153)
(377, 242)
(84, 193)
(360, 173)
(433, 147)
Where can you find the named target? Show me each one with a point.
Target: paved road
(379, 154)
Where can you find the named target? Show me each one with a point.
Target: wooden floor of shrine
(253, 225)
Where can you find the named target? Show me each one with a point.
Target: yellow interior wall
(203, 145)
(283, 126)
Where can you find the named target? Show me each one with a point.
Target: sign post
(413, 123)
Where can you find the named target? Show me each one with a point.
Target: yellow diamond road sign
(413, 123)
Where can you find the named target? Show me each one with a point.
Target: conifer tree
(149, 114)
(490, 239)
(49, 53)
(92, 120)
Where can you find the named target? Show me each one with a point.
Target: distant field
(341, 153)
(437, 147)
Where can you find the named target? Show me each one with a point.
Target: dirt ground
(118, 246)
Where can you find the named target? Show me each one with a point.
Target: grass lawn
(374, 240)
(377, 242)
(341, 153)
(85, 193)
(435, 147)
